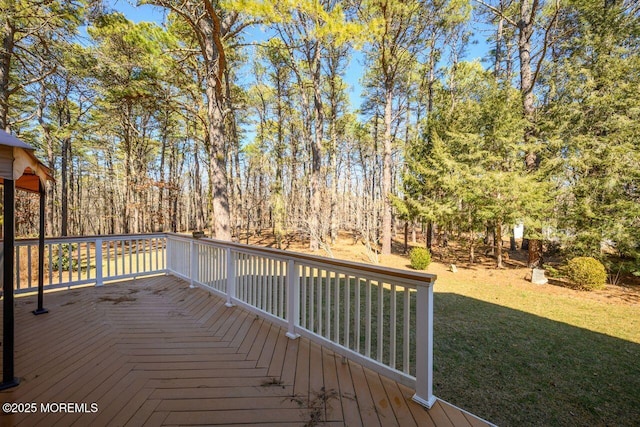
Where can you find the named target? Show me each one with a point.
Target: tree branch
(33, 80)
(497, 12)
(546, 43)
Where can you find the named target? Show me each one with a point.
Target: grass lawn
(519, 357)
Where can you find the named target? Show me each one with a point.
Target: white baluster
(293, 299)
(99, 280)
(392, 329)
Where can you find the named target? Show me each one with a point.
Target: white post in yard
(231, 279)
(293, 300)
(424, 347)
(99, 280)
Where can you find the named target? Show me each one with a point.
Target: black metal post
(8, 379)
(41, 309)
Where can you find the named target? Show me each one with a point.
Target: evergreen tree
(473, 156)
(593, 122)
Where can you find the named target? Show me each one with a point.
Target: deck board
(156, 352)
(367, 407)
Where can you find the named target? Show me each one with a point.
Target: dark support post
(8, 380)
(41, 309)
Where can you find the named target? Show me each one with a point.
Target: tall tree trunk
(278, 190)
(65, 120)
(499, 41)
(239, 194)
(232, 150)
(430, 96)
(294, 192)
(197, 197)
(386, 174)
(413, 231)
(525, 32)
(160, 210)
(498, 238)
(316, 155)
(8, 35)
(406, 237)
(218, 174)
(333, 168)
(110, 210)
(472, 255)
(48, 142)
(209, 30)
(173, 198)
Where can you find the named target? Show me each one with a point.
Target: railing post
(167, 256)
(99, 279)
(293, 300)
(231, 279)
(424, 347)
(169, 264)
(193, 269)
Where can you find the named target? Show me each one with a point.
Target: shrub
(587, 272)
(420, 258)
(65, 260)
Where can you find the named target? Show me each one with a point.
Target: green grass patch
(335, 296)
(518, 357)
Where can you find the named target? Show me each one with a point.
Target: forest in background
(194, 125)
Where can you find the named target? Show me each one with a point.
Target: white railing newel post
(293, 300)
(424, 347)
(231, 278)
(193, 264)
(167, 253)
(99, 279)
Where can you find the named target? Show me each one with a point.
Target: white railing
(380, 317)
(76, 261)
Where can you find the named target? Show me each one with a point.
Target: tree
(398, 28)
(399, 36)
(591, 120)
(128, 73)
(475, 159)
(211, 26)
(29, 29)
(311, 32)
(534, 20)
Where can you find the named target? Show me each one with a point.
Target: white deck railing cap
(413, 276)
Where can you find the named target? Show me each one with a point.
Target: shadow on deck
(154, 352)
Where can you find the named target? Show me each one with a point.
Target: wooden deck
(155, 352)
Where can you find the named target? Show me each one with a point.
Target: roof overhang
(19, 163)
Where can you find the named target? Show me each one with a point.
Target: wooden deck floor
(154, 352)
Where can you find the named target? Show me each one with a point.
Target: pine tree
(474, 158)
(593, 123)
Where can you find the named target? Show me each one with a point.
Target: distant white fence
(377, 316)
(76, 261)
